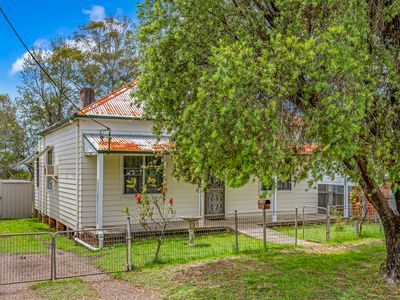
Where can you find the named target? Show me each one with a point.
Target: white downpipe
(84, 244)
(345, 197)
(275, 200)
(201, 200)
(99, 199)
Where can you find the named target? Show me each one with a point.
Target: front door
(215, 198)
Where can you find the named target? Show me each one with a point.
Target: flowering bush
(154, 212)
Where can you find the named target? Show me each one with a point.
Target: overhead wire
(46, 73)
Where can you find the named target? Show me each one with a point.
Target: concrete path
(273, 236)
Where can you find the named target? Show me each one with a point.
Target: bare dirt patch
(340, 248)
(110, 288)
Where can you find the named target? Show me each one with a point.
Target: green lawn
(317, 232)
(23, 243)
(176, 251)
(22, 225)
(65, 289)
(299, 274)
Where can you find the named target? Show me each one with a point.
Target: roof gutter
(79, 116)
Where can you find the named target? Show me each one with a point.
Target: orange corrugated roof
(119, 103)
(129, 143)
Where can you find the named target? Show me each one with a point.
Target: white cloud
(41, 44)
(18, 64)
(96, 13)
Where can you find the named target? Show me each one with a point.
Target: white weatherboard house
(80, 177)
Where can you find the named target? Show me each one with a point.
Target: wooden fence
(16, 199)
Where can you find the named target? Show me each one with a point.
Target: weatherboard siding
(244, 199)
(60, 202)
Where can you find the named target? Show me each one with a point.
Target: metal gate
(40, 256)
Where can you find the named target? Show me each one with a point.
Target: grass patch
(275, 275)
(175, 250)
(317, 232)
(65, 289)
(24, 243)
(22, 226)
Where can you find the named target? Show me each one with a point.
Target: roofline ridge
(106, 98)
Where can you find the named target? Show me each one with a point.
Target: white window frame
(49, 180)
(122, 177)
(260, 189)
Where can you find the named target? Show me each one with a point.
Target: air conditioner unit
(50, 170)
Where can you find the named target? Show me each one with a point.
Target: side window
(49, 162)
(37, 172)
(50, 157)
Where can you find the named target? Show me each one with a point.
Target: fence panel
(16, 199)
(89, 252)
(314, 224)
(25, 257)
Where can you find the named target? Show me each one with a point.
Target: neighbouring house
(81, 175)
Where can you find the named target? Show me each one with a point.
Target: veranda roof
(128, 143)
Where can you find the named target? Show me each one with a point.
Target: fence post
(296, 227)
(328, 221)
(264, 229)
(302, 226)
(129, 244)
(236, 233)
(53, 256)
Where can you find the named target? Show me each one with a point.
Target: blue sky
(39, 21)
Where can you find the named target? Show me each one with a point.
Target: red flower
(150, 178)
(136, 195)
(171, 200)
(138, 198)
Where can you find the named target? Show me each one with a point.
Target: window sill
(133, 195)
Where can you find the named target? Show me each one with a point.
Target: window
(140, 168)
(334, 194)
(282, 186)
(37, 172)
(49, 162)
(50, 157)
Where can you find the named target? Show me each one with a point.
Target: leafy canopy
(245, 87)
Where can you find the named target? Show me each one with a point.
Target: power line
(45, 72)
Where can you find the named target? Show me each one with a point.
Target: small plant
(339, 220)
(265, 195)
(154, 211)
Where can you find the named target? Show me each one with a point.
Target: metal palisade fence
(52, 255)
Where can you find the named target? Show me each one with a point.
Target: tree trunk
(390, 269)
(156, 259)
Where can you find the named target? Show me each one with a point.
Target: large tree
(109, 53)
(247, 87)
(12, 148)
(101, 55)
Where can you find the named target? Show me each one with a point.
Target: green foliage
(154, 211)
(101, 55)
(244, 86)
(12, 146)
(339, 221)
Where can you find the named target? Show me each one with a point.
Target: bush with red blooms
(154, 213)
